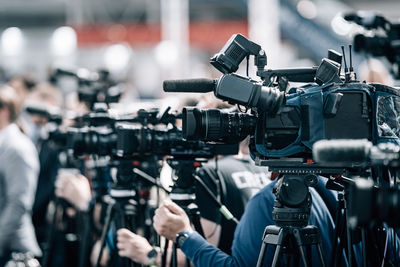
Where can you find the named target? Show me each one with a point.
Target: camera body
(289, 121)
(385, 41)
(378, 194)
(333, 111)
(382, 203)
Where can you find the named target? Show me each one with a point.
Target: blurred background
(143, 42)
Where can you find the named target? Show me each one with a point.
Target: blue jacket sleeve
(249, 233)
(247, 241)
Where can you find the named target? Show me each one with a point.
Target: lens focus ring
(212, 124)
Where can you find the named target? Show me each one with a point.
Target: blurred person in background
(47, 97)
(18, 181)
(22, 84)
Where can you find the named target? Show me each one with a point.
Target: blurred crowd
(44, 207)
(42, 203)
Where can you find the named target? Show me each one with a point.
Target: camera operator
(18, 180)
(170, 220)
(237, 181)
(234, 179)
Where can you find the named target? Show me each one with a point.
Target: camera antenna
(353, 76)
(344, 60)
(346, 70)
(247, 65)
(351, 60)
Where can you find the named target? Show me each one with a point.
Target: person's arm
(74, 188)
(20, 176)
(135, 247)
(170, 219)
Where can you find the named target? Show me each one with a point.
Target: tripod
(58, 228)
(100, 178)
(291, 234)
(342, 238)
(128, 198)
(183, 195)
(122, 207)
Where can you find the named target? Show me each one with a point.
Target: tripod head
(183, 189)
(184, 169)
(126, 179)
(292, 205)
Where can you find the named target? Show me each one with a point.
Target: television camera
(381, 40)
(285, 122)
(93, 86)
(381, 198)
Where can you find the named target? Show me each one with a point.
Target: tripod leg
(341, 245)
(364, 251)
(337, 234)
(123, 219)
(303, 256)
(174, 257)
(348, 233)
(276, 255)
(131, 225)
(104, 233)
(262, 254)
(85, 237)
(321, 258)
(51, 236)
(164, 255)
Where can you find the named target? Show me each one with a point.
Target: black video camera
(93, 86)
(149, 132)
(385, 42)
(367, 201)
(285, 123)
(134, 140)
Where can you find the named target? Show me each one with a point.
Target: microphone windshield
(342, 152)
(189, 85)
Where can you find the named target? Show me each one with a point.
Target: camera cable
(222, 208)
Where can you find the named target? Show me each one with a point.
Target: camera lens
(216, 125)
(97, 141)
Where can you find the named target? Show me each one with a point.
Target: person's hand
(170, 219)
(74, 188)
(133, 246)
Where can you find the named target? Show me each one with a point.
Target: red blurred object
(274, 175)
(196, 164)
(207, 35)
(135, 163)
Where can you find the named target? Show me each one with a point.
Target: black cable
(222, 208)
(150, 179)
